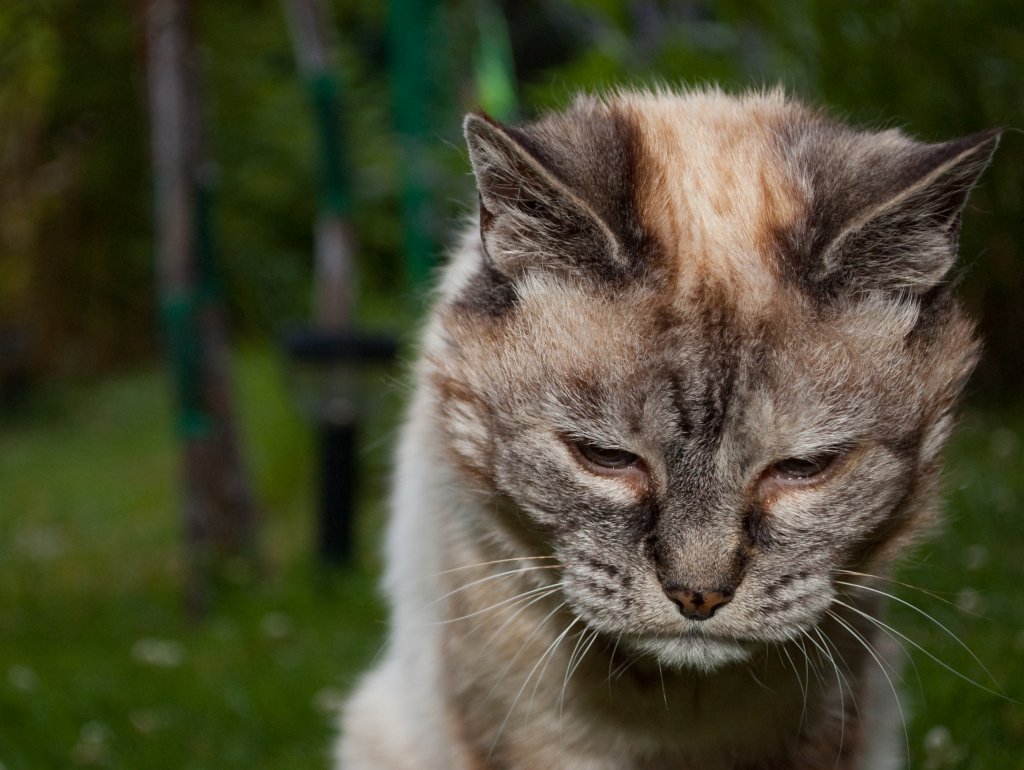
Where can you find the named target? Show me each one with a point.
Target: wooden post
(334, 270)
(218, 505)
(334, 275)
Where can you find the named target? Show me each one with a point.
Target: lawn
(99, 668)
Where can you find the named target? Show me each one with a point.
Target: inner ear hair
(906, 237)
(529, 217)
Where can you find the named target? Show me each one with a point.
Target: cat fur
(714, 283)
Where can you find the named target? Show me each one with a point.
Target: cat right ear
(902, 233)
(529, 217)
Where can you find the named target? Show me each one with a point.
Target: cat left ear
(905, 239)
(529, 216)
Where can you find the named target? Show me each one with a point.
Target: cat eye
(800, 472)
(609, 461)
(611, 458)
(803, 468)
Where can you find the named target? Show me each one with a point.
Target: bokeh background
(103, 661)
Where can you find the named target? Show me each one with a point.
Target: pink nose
(699, 605)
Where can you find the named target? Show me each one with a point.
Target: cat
(682, 393)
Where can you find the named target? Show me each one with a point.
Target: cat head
(706, 350)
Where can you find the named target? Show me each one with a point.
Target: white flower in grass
(93, 747)
(22, 678)
(163, 653)
(276, 625)
(975, 556)
(328, 700)
(146, 721)
(1003, 443)
(971, 601)
(940, 752)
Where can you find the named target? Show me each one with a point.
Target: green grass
(98, 666)
(975, 570)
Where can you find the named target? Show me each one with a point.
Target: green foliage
(99, 669)
(74, 252)
(26, 95)
(75, 244)
(260, 138)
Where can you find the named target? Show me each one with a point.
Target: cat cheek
(468, 435)
(636, 480)
(620, 489)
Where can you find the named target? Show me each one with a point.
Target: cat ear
(904, 237)
(529, 217)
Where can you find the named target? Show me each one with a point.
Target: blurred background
(219, 220)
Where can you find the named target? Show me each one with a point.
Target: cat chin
(694, 652)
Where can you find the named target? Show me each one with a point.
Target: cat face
(695, 367)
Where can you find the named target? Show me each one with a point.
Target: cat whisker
(802, 681)
(883, 665)
(571, 668)
(849, 691)
(522, 646)
(905, 652)
(841, 683)
(918, 647)
(547, 653)
(753, 676)
(611, 659)
(540, 676)
(924, 614)
(590, 644)
(495, 576)
(844, 666)
(864, 641)
(492, 561)
(827, 652)
(661, 677)
(809, 667)
(510, 600)
(625, 665)
(526, 604)
(911, 586)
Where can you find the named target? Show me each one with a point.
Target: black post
(335, 403)
(338, 489)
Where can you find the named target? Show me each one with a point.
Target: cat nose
(699, 605)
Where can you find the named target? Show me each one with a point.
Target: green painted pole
(409, 26)
(495, 68)
(334, 263)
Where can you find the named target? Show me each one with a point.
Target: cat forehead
(719, 189)
(762, 196)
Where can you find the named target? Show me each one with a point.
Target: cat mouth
(696, 650)
(696, 634)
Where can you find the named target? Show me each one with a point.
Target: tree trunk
(218, 505)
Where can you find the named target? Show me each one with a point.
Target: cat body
(682, 395)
